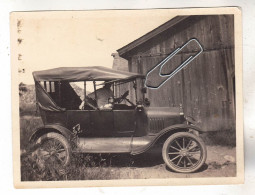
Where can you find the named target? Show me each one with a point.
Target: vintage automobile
(130, 125)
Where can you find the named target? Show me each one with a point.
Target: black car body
(128, 127)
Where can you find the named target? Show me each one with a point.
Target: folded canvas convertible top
(95, 73)
(72, 74)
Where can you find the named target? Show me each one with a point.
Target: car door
(101, 123)
(79, 121)
(124, 122)
(91, 123)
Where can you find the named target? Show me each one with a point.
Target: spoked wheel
(54, 151)
(184, 152)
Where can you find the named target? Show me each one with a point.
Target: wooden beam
(151, 34)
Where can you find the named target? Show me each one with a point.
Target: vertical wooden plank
(203, 87)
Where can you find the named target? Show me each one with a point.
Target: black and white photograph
(128, 96)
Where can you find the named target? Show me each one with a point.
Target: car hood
(166, 112)
(159, 118)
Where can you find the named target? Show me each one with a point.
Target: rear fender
(50, 128)
(166, 132)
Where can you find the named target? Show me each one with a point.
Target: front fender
(167, 130)
(179, 126)
(50, 128)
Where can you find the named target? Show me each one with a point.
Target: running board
(110, 145)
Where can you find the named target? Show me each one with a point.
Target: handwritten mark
(19, 25)
(19, 40)
(19, 57)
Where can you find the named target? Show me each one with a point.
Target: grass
(82, 167)
(28, 110)
(28, 124)
(96, 166)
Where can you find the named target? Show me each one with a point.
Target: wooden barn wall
(205, 86)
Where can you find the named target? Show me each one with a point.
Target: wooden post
(45, 87)
(135, 91)
(142, 86)
(59, 94)
(94, 83)
(113, 88)
(84, 90)
(50, 86)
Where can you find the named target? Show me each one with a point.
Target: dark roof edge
(151, 34)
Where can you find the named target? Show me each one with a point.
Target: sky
(82, 38)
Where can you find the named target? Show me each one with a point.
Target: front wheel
(184, 152)
(54, 150)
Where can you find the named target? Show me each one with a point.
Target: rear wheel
(184, 152)
(54, 151)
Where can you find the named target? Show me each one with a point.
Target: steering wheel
(122, 97)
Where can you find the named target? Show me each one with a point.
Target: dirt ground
(220, 163)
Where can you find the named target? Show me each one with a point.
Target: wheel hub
(184, 152)
(52, 152)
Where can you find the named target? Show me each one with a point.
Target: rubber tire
(62, 140)
(182, 134)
